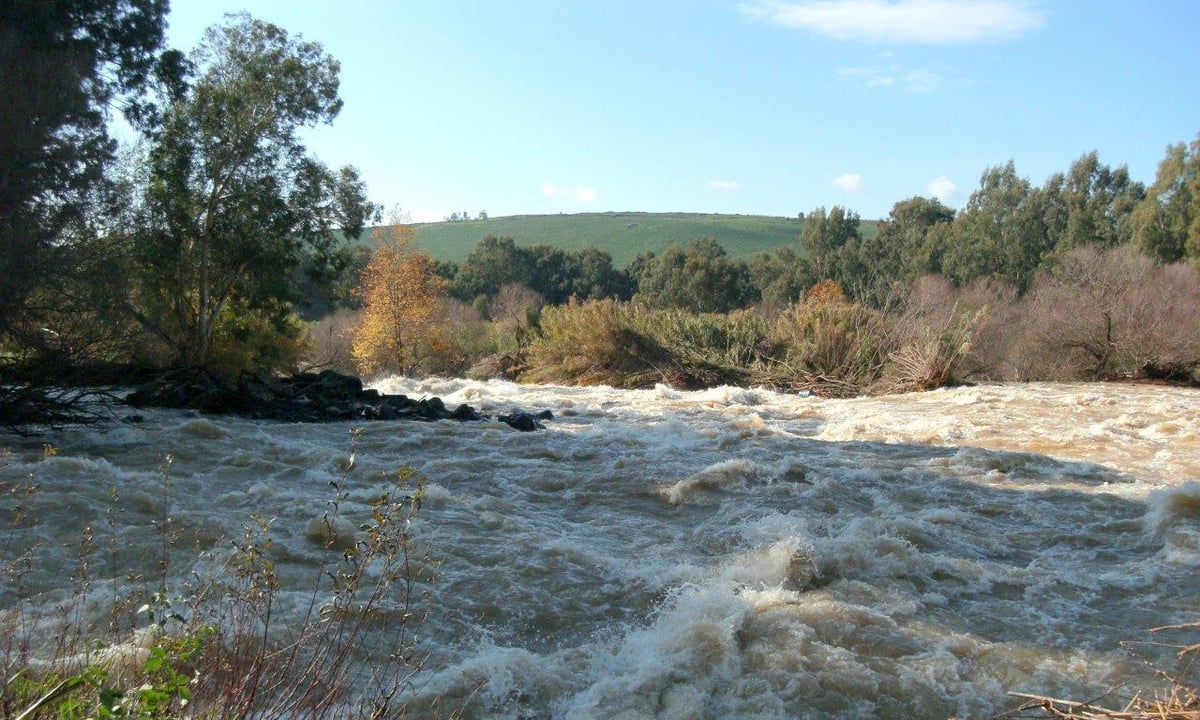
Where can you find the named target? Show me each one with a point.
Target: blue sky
(739, 106)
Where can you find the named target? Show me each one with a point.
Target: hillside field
(624, 235)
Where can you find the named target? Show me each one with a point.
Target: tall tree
(1091, 204)
(401, 292)
(780, 275)
(63, 63)
(1002, 231)
(901, 250)
(698, 277)
(1166, 224)
(491, 264)
(234, 202)
(594, 277)
(831, 243)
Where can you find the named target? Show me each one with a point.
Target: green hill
(623, 235)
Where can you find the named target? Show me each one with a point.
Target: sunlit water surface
(725, 553)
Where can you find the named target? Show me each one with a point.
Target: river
(721, 553)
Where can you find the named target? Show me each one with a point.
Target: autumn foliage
(401, 294)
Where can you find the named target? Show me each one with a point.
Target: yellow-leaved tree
(401, 293)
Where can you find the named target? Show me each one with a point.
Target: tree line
(1009, 229)
(1012, 246)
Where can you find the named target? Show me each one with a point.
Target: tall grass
(219, 645)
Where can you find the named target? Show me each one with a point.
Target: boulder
(308, 397)
(522, 421)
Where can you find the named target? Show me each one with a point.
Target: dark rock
(544, 415)
(465, 412)
(522, 421)
(324, 397)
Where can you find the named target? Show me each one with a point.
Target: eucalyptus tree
(1001, 232)
(64, 64)
(1091, 204)
(904, 248)
(1166, 223)
(234, 203)
(493, 263)
(831, 244)
(699, 277)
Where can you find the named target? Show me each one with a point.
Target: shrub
(934, 334)
(253, 339)
(1112, 314)
(706, 349)
(594, 342)
(329, 342)
(830, 345)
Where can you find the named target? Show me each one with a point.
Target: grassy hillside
(623, 235)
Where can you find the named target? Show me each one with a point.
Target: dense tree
(698, 277)
(401, 293)
(1002, 231)
(903, 249)
(549, 272)
(553, 273)
(62, 64)
(234, 204)
(593, 276)
(781, 276)
(492, 263)
(831, 244)
(1091, 204)
(1166, 224)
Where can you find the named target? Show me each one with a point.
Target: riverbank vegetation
(197, 629)
(216, 241)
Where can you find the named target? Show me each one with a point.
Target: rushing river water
(725, 553)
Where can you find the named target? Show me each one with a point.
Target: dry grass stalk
(1180, 700)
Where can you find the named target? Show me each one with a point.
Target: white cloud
(921, 22)
(943, 188)
(579, 193)
(724, 186)
(912, 81)
(850, 182)
(922, 81)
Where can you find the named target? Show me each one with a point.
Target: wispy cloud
(850, 182)
(943, 188)
(913, 81)
(723, 185)
(921, 22)
(579, 193)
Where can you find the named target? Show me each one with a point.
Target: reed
(1177, 699)
(218, 646)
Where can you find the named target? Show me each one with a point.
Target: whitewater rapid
(723, 553)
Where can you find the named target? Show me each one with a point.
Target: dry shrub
(1163, 332)
(594, 342)
(515, 313)
(936, 333)
(463, 340)
(215, 645)
(1116, 314)
(330, 339)
(830, 345)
